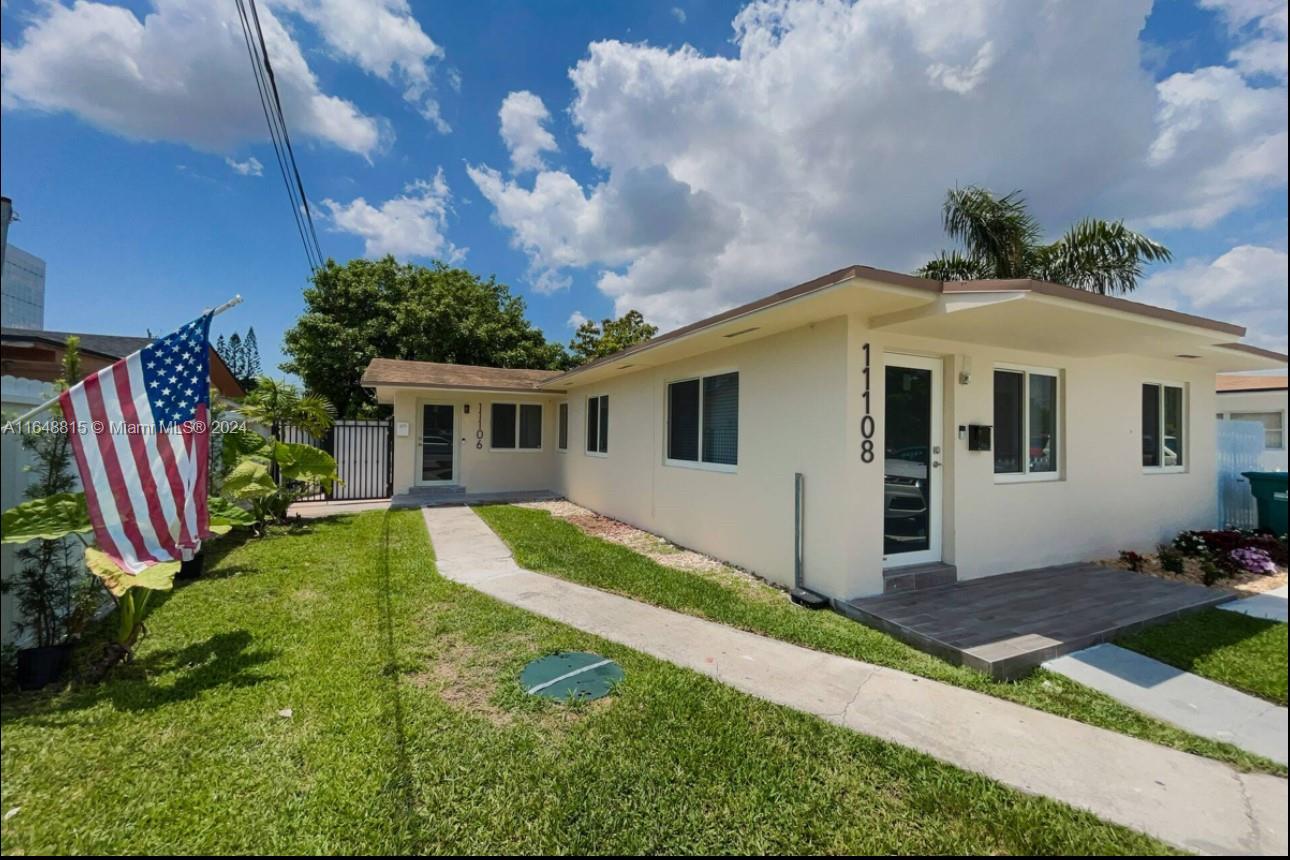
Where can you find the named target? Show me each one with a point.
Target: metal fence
(364, 453)
(1240, 448)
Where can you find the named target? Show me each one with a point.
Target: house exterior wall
(479, 470)
(1227, 402)
(801, 409)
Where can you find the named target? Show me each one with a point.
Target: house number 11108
(866, 423)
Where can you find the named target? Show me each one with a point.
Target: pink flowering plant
(1252, 560)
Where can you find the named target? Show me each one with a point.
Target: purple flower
(1252, 560)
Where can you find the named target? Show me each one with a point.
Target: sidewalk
(1191, 802)
(1270, 605)
(1188, 701)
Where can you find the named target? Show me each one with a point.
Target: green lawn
(549, 544)
(1233, 649)
(409, 734)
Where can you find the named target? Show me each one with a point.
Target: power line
(271, 104)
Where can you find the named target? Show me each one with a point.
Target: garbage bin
(1270, 490)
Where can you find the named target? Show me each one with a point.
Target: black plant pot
(40, 666)
(191, 569)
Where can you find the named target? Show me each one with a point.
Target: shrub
(1191, 545)
(1212, 573)
(1170, 559)
(1134, 560)
(1253, 560)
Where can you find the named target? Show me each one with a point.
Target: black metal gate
(364, 454)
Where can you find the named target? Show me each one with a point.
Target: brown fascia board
(814, 285)
(1115, 303)
(1249, 349)
(442, 386)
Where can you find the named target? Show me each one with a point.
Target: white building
(22, 285)
(1261, 399)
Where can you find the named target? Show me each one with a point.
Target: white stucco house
(963, 429)
(1262, 399)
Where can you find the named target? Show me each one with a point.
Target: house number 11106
(866, 423)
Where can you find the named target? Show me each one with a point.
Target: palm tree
(1001, 239)
(275, 402)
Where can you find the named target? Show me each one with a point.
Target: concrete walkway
(1191, 802)
(1270, 605)
(1188, 701)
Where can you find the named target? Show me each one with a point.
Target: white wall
(1227, 402)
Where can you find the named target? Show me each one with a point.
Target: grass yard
(549, 544)
(408, 733)
(1246, 653)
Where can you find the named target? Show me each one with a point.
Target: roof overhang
(385, 391)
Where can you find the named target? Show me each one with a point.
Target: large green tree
(1001, 239)
(592, 340)
(369, 309)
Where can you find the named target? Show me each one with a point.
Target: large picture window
(703, 421)
(598, 424)
(1164, 412)
(1027, 421)
(516, 427)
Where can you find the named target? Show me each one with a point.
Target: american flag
(141, 435)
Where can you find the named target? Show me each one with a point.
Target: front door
(436, 444)
(912, 465)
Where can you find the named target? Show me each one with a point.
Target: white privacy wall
(1228, 402)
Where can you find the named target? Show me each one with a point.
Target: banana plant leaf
(158, 577)
(50, 518)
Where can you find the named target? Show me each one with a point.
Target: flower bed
(1225, 558)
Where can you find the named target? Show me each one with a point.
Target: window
(703, 420)
(1273, 427)
(1163, 421)
(516, 426)
(562, 433)
(1026, 421)
(598, 424)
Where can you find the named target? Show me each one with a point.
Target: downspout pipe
(801, 595)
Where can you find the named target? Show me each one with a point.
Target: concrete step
(437, 492)
(918, 576)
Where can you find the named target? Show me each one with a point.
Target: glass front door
(912, 462)
(437, 443)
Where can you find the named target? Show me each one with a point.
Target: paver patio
(1007, 625)
(1193, 803)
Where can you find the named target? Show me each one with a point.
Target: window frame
(1025, 476)
(700, 464)
(519, 411)
(562, 416)
(586, 422)
(1231, 414)
(1161, 385)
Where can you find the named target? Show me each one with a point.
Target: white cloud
(523, 116)
(678, 13)
(250, 167)
(1246, 285)
(179, 74)
(576, 319)
(409, 225)
(382, 38)
(1265, 53)
(832, 134)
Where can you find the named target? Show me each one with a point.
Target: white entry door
(913, 460)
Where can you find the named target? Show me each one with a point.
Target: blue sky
(676, 158)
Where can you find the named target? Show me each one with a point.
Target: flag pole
(231, 303)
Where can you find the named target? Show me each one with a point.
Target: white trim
(586, 421)
(1025, 476)
(935, 503)
(419, 441)
(1160, 430)
(518, 404)
(1281, 413)
(700, 464)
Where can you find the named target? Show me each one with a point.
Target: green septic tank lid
(571, 675)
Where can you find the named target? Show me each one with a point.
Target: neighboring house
(30, 361)
(22, 289)
(1261, 399)
(977, 427)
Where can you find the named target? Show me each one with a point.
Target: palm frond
(953, 266)
(996, 231)
(1101, 256)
